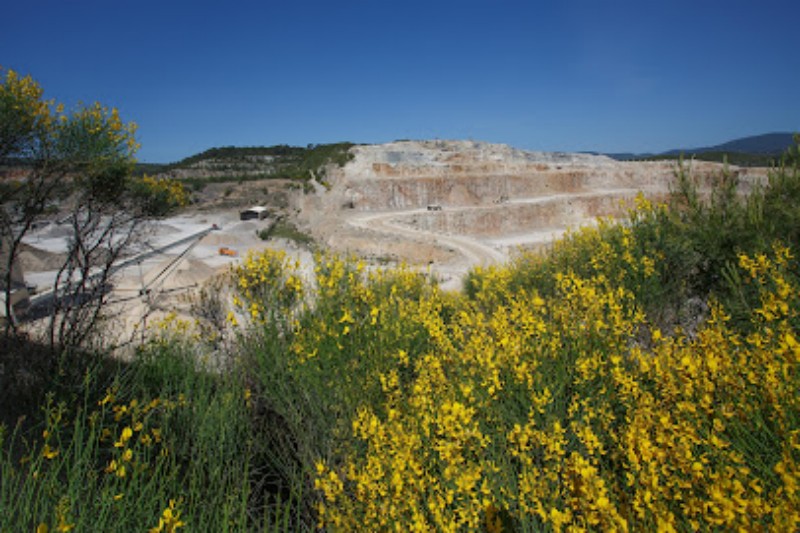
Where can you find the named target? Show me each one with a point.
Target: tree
(77, 166)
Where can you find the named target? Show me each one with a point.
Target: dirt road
(384, 222)
(472, 251)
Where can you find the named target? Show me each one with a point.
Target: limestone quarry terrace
(455, 204)
(461, 173)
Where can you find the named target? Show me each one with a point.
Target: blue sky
(566, 75)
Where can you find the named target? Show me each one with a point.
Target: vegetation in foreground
(573, 391)
(556, 393)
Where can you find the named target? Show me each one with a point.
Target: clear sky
(568, 75)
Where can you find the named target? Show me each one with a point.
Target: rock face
(447, 157)
(516, 217)
(474, 200)
(414, 174)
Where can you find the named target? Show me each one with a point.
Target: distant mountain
(756, 150)
(625, 156)
(767, 144)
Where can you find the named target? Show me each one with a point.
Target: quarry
(452, 205)
(441, 206)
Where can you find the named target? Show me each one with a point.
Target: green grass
(193, 437)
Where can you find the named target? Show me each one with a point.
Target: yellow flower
(64, 527)
(124, 437)
(108, 398)
(49, 453)
(170, 519)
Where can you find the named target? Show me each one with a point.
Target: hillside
(236, 177)
(773, 144)
(231, 163)
(753, 151)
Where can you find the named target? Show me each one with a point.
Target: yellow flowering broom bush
(557, 414)
(543, 399)
(268, 287)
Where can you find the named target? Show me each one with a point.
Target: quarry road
(575, 195)
(475, 252)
